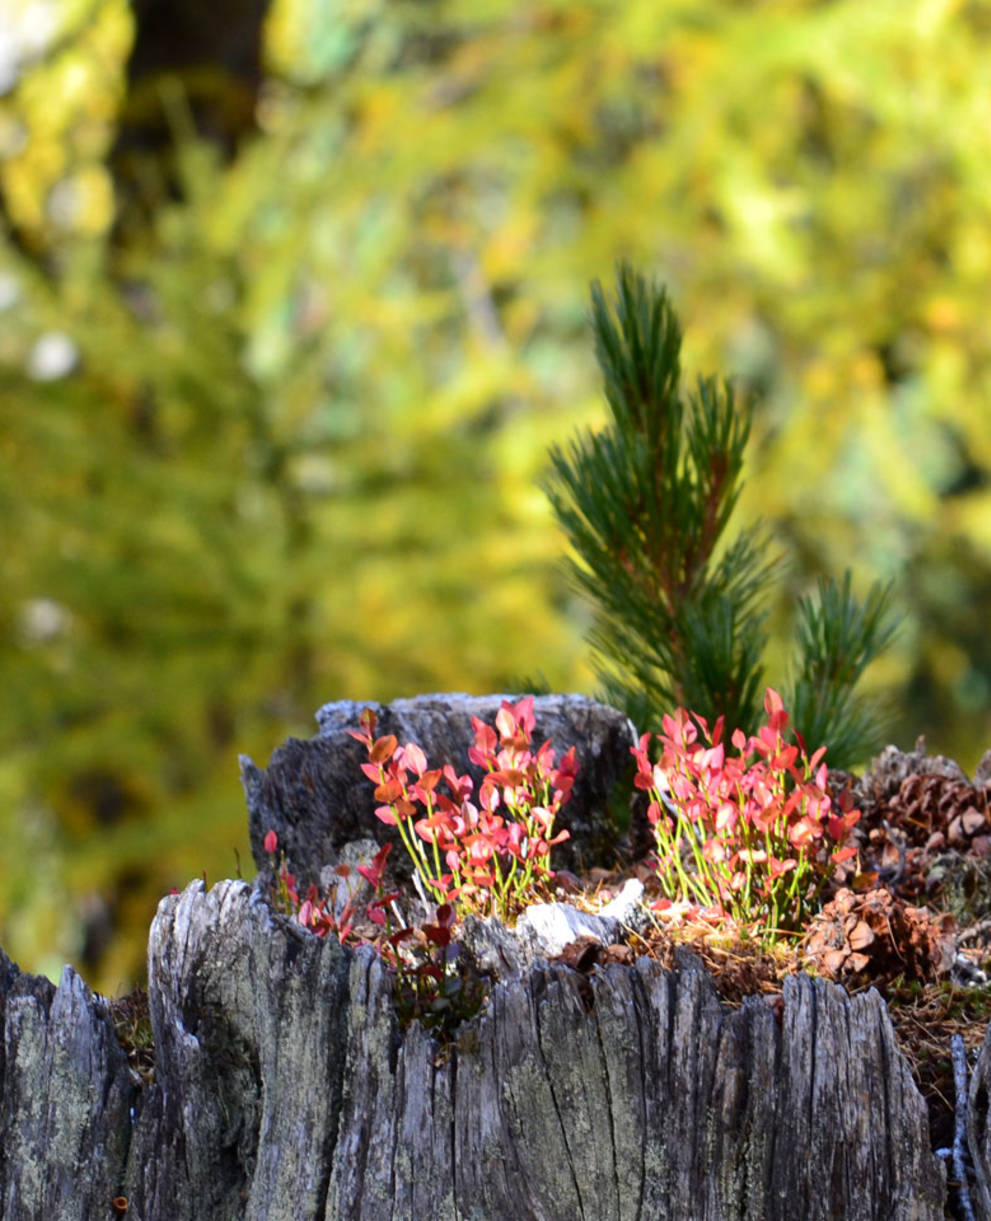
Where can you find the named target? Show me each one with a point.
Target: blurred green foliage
(270, 432)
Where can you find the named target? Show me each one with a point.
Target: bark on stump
(285, 1089)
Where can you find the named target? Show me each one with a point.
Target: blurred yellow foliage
(275, 441)
(67, 103)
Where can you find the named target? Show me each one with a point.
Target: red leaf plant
(429, 985)
(753, 842)
(485, 855)
(317, 912)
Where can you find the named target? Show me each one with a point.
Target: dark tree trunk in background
(205, 59)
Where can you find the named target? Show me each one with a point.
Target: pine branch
(646, 502)
(837, 638)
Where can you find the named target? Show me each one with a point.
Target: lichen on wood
(285, 1088)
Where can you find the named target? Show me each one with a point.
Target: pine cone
(895, 866)
(873, 793)
(929, 806)
(878, 936)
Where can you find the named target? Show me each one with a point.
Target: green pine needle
(680, 613)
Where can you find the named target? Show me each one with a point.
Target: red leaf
(523, 713)
(383, 749)
(390, 790)
(485, 739)
(505, 721)
(437, 933)
(415, 759)
(385, 900)
(429, 780)
(461, 786)
(510, 778)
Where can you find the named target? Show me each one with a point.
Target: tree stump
(284, 1086)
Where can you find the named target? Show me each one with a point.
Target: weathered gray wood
(247, 1014)
(545, 930)
(315, 797)
(979, 1119)
(66, 1094)
(285, 1089)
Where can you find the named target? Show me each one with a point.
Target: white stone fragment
(552, 927)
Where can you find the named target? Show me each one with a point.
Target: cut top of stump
(315, 797)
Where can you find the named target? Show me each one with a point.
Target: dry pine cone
(930, 806)
(878, 936)
(872, 792)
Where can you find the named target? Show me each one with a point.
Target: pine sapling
(680, 608)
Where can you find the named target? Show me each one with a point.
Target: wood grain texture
(979, 1120)
(285, 1089)
(66, 1098)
